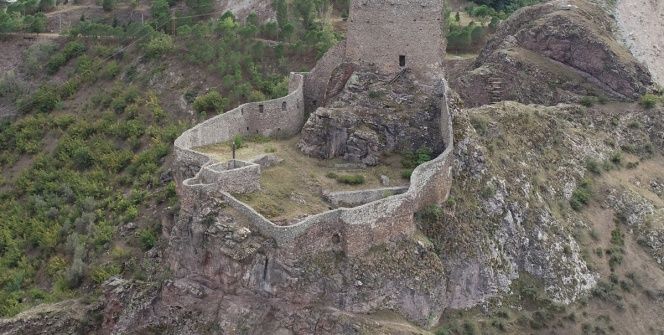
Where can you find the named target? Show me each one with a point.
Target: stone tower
(397, 34)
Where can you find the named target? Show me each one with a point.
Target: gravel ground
(641, 26)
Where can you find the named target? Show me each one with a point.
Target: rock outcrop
(372, 116)
(556, 52)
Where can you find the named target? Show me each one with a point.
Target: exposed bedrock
(553, 53)
(372, 116)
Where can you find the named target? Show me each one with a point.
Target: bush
(648, 101)
(616, 158)
(111, 70)
(147, 239)
(411, 160)
(238, 141)
(581, 196)
(45, 99)
(211, 102)
(356, 179)
(108, 5)
(480, 123)
(587, 101)
(158, 45)
(432, 213)
(593, 166)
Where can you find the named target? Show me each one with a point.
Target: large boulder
(372, 116)
(551, 53)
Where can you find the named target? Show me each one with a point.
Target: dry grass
(293, 188)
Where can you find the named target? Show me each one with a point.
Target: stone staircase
(495, 90)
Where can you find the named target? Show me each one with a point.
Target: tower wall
(387, 32)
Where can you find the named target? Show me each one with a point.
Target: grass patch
(354, 179)
(648, 101)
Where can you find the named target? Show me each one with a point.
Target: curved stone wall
(282, 117)
(351, 230)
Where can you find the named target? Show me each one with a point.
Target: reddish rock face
(547, 55)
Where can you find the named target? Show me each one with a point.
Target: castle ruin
(383, 36)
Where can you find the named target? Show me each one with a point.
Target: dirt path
(642, 31)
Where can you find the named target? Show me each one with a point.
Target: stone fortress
(389, 37)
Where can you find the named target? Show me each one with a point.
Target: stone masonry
(379, 34)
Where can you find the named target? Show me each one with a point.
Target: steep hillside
(85, 152)
(641, 29)
(560, 51)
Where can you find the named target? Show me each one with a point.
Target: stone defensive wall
(281, 117)
(387, 217)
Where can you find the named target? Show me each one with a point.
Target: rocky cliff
(556, 52)
(370, 115)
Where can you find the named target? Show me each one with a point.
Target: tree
(305, 9)
(281, 8)
(108, 5)
(200, 6)
(8, 22)
(161, 15)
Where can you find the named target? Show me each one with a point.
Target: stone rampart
(282, 117)
(351, 230)
(236, 176)
(361, 197)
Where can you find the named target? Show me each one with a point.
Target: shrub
(356, 179)
(616, 158)
(158, 45)
(375, 94)
(36, 23)
(480, 124)
(44, 100)
(593, 166)
(108, 5)
(238, 141)
(581, 196)
(111, 70)
(431, 213)
(331, 175)
(411, 160)
(588, 101)
(406, 174)
(648, 101)
(82, 157)
(101, 273)
(147, 239)
(211, 102)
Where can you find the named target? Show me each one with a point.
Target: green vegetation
(581, 196)
(411, 160)
(593, 166)
(648, 101)
(470, 37)
(211, 102)
(507, 6)
(83, 164)
(430, 214)
(355, 179)
(588, 101)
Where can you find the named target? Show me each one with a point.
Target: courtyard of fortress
(291, 197)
